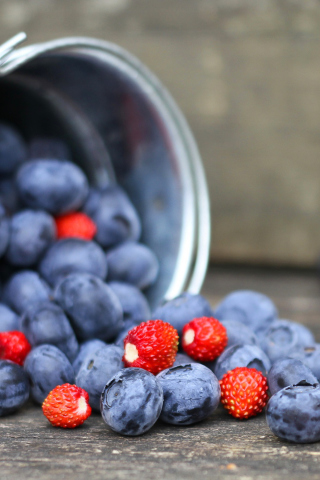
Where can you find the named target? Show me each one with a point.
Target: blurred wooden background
(246, 73)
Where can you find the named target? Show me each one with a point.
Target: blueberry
(14, 387)
(47, 323)
(191, 393)
(9, 320)
(48, 147)
(283, 336)
(114, 215)
(293, 413)
(86, 348)
(93, 308)
(72, 255)
(132, 263)
(305, 334)
(253, 309)
(182, 310)
(31, 233)
(52, 185)
(47, 367)
(25, 288)
(134, 304)
(4, 230)
(309, 356)
(131, 401)
(286, 372)
(182, 359)
(239, 334)
(12, 149)
(242, 356)
(97, 368)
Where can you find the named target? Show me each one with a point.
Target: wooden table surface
(219, 447)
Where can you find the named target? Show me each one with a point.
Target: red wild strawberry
(77, 225)
(244, 392)
(204, 338)
(67, 406)
(152, 345)
(14, 346)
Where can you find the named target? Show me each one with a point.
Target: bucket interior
(115, 133)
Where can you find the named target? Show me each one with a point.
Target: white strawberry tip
(82, 406)
(188, 337)
(130, 352)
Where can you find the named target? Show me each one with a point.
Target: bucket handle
(7, 47)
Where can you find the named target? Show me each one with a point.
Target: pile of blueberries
(75, 300)
(63, 292)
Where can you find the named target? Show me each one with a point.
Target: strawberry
(244, 392)
(67, 406)
(204, 338)
(152, 345)
(77, 225)
(14, 346)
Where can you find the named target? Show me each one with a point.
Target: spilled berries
(14, 346)
(152, 345)
(67, 406)
(244, 392)
(204, 339)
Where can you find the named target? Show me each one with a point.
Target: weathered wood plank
(219, 447)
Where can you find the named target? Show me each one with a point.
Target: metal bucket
(121, 125)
